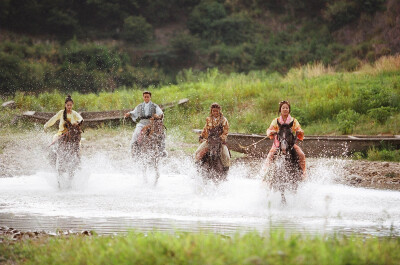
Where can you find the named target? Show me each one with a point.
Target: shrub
(137, 30)
(340, 13)
(381, 114)
(300, 114)
(375, 96)
(93, 56)
(184, 47)
(346, 120)
(232, 58)
(231, 30)
(11, 69)
(203, 16)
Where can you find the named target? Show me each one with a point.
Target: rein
(246, 147)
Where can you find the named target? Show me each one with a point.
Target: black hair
(282, 103)
(67, 99)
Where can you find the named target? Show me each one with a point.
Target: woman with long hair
(284, 111)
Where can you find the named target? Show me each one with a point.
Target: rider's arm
(297, 129)
(225, 130)
(159, 111)
(204, 133)
(77, 116)
(273, 128)
(134, 114)
(53, 119)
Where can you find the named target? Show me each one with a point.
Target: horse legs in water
(283, 198)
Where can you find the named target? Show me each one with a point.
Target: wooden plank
(93, 118)
(313, 145)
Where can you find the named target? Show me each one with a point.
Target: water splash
(110, 194)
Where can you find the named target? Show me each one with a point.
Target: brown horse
(68, 152)
(285, 171)
(149, 148)
(211, 166)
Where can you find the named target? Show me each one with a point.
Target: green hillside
(94, 46)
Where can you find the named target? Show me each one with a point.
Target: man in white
(143, 112)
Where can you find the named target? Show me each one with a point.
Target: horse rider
(284, 110)
(215, 119)
(143, 113)
(65, 115)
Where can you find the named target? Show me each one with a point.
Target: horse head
(151, 136)
(214, 142)
(285, 137)
(73, 134)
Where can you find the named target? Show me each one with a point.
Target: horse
(149, 148)
(68, 152)
(285, 171)
(211, 166)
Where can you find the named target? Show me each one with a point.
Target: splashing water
(110, 194)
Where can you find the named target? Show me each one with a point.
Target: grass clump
(376, 154)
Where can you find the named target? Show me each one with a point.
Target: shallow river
(113, 196)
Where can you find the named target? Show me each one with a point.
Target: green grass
(375, 154)
(203, 248)
(325, 102)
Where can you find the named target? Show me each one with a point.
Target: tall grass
(250, 101)
(199, 248)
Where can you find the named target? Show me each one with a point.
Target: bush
(340, 13)
(203, 16)
(300, 114)
(372, 97)
(232, 58)
(184, 47)
(93, 56)
(231, 30)
(137, 30)
(346, 120)
(10, 71)
(381, 114)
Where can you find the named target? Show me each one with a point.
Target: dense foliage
(93, 46)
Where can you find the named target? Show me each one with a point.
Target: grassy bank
(199, 248)
(325, 102)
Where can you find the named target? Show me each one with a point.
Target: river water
(111, 196)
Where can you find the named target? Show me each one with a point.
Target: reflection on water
(113, 196)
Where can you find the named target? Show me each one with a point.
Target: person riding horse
(216, 122)
(285, 118)
(67, 115)
(143, 113)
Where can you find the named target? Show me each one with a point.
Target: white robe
(143, 122)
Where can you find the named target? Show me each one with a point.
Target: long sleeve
(225, 130)
(134, 114)
(54, 119)
(159, 111)
(78, 118)
(297, 130)
(273, 127)
(204, 133)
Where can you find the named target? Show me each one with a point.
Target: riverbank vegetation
(275, 247)
(325, 102)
